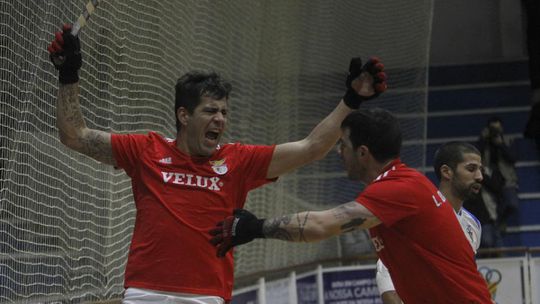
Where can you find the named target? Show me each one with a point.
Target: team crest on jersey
(219, 166)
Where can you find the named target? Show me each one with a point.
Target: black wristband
(352, 99)
(67, 76)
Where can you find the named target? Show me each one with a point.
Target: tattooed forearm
(351, 216)
(352, 225)
(344, 211)
(69, 118)
(288, 227)
(302, 222)
(98, 146)
(72, 127)
(312, 226)
(272, 228)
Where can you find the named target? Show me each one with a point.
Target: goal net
(66, 220)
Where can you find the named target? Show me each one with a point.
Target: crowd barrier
(513, 277)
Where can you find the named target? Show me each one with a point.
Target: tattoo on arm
(73, 130)
(69, 116)
(98, 146)
(301, 226)
(353, 224)
(272, 229)
(344, 212)
(305, 226)
(285, 228)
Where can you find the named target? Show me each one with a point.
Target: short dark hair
(194, 85)
(376, 129)
(451, 154)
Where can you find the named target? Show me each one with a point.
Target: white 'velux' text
(210, 183)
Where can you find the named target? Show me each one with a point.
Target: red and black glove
(240, 228)
(375, 68)
(65, 54)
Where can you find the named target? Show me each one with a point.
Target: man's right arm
(65, 54)
(314, 226)
(310, 226)
(73, 130)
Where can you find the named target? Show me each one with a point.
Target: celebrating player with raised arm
(413, 228)
(183, 185)
(458, 167)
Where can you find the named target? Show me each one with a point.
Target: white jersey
(472, 229)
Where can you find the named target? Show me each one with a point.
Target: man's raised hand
(364, 82)
(65, 54)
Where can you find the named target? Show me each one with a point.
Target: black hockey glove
(376, 69)
(65, 54)
(240, 228)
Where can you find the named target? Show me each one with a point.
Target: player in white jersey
(471, 227)
(458, 167)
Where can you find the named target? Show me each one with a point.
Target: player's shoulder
(398, 183)
(239, 147)
(471, 218)
(403, 184)
(138, 138)
(403, 175)
(231, 150)
(154, 138)
(230, 147)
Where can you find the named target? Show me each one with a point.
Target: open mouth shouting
(211, 138)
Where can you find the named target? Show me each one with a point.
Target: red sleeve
(389, 200)
(254, 162)
(127, 148)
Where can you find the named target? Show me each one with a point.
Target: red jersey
(421, 241)
(179, 198)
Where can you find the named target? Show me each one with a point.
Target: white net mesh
(66, 220)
